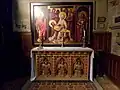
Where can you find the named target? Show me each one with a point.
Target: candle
(84, 33)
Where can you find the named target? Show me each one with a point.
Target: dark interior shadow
(13, 63)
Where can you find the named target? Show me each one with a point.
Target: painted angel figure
(63, 26)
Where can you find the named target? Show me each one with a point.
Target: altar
(62, 63)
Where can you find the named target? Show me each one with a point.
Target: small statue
(46, 67)
(62, 68)
(78, 68)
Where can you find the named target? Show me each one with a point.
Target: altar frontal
(62, 63)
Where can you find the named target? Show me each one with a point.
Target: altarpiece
(68, 25)
(53, 22)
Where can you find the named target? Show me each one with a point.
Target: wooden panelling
(112, 68)
(101, 41)
(26, 43)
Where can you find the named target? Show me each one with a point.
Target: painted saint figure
(60, 29)
(53, 14)
(41, 27)
(57, 15)
(70, 19)
(81, 25)
(62, 25)
(78, 68)
(62, 68)
(45, 66)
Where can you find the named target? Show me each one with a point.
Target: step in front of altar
(82, 78)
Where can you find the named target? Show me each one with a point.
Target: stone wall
(21, 12)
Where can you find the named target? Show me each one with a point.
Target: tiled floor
(106, 84)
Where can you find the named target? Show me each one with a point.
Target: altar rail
(112, 68)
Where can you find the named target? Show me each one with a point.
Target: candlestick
(42, 39)
(62, 39)
(83, 41)
(41, 42)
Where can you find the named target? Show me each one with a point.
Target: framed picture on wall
(101, 25)
(115, 23)
(101, 19)
(53, 23)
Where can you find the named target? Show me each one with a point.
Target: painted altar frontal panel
(62, 65)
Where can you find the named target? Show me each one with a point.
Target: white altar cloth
(33, 76)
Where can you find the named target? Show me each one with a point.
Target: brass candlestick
(41, 43)
(83, 41)
(62, 40)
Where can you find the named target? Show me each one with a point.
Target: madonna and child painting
(53, 23)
